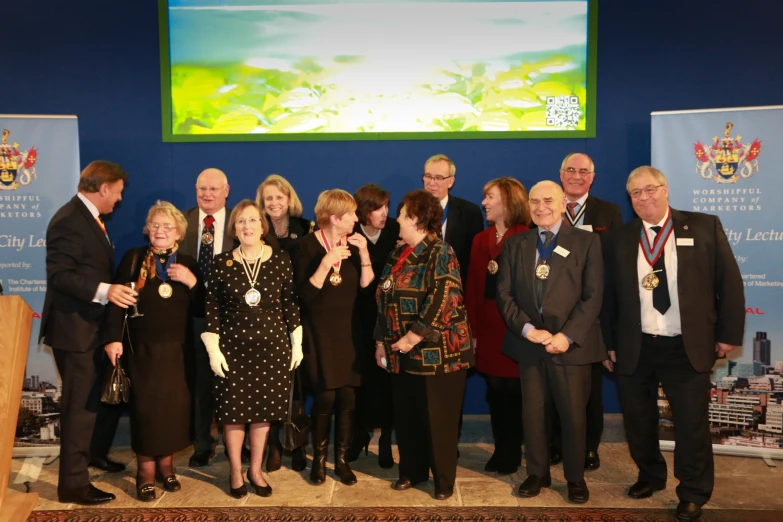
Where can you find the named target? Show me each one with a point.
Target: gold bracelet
(366, 265)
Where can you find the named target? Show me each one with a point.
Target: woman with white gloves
(254, 341)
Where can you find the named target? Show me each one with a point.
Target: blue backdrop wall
(99, 60)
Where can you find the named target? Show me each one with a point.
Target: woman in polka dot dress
(251, 314)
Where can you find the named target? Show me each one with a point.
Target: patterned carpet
(407, 514)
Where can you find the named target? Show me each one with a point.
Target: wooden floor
(740, 483)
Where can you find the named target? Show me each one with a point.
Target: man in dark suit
(674, 302)
(207, 236)
(550, 287)
(461, 219)
(584, 211)
(79, 270)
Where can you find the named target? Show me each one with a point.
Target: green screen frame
(169, 137)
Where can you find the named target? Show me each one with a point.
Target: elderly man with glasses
(461, 219)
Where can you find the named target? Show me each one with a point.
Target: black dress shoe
(86, 496)
(405, 483)
(444, 493)
(146, 493)
(592, 461)
(578, 492)
(261, 491)
(200, 459)
(555, 457)
(644, 489)
(107, 465)
(688, 511)
(170, 482)
(532, 485)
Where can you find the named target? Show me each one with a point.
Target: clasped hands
(554, 344)
(338, 253)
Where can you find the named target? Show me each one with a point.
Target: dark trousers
(426, 412)
(78, 407)
(568, 387)
(200, 379)
(504, 397)
(663, 360)
(595, 414)
(108, 417)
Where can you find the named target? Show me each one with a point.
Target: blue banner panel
(39, 172)
(724, 162)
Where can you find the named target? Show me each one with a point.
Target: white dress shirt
(101, 295)
(220, 226)
(443, 203)
(653, 322)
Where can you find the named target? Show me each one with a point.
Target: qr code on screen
(562, 111)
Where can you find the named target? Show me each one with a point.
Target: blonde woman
(278, 200)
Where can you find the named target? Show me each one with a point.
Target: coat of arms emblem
(16, 167)
(727, 159)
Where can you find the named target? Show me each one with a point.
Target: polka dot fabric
(254, 340)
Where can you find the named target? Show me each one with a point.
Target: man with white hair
(550, 288)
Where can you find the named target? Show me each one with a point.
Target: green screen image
(286, 70)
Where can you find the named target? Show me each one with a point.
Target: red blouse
(485, 320)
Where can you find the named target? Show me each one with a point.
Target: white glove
(296, 348)
(216, 360)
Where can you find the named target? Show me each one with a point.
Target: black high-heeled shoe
(240, 492)
(385, 458)
(261, 491)
(361, 441)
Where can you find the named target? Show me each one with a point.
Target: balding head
(212, 190)
(547, 204)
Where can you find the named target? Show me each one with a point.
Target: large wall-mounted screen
(240, 70)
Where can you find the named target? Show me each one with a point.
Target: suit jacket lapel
(686, 255)
(591, 211)
(452, 211)
(192, 233)
(556, 261)
(92, 224)
(528, 254)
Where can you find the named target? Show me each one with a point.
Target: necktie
(541, 283)
(207, 250)
(661, 299)
(103, 227)
(571, 212)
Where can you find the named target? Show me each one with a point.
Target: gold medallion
(165, 290)
(336, 279)
(387, 284)
(542, 271)
(650, 281)
(206, 238)
(492, 267)
(293, 235)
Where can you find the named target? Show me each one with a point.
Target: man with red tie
(207, 236)
(584, 211)
(79, 269)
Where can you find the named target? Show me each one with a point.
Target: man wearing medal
(550, 288)
(673, 311)
(585, 211)
(207, 236)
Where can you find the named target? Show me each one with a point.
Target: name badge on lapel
(588, 228)
(561, 251)
(684, 241)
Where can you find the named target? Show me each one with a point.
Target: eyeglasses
(649, 190)
(167, 227)
(252, 221)
(439, 179)
(572, 171)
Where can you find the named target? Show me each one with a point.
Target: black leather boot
(274, 458)
(343, 434)
(320, 434)
(385, 458)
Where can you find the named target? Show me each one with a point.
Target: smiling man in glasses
(461, 219)
(675, 301)
(587, 212)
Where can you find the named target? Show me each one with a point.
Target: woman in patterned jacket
(423, 339)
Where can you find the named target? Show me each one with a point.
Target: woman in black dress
(374, 395)
(332, 266)
(251, 314)
(278, 200)
(160, 400)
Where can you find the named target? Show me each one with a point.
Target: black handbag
(116, 385)
(297, 424)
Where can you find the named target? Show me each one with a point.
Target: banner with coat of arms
(724, 162)
(39, 172)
